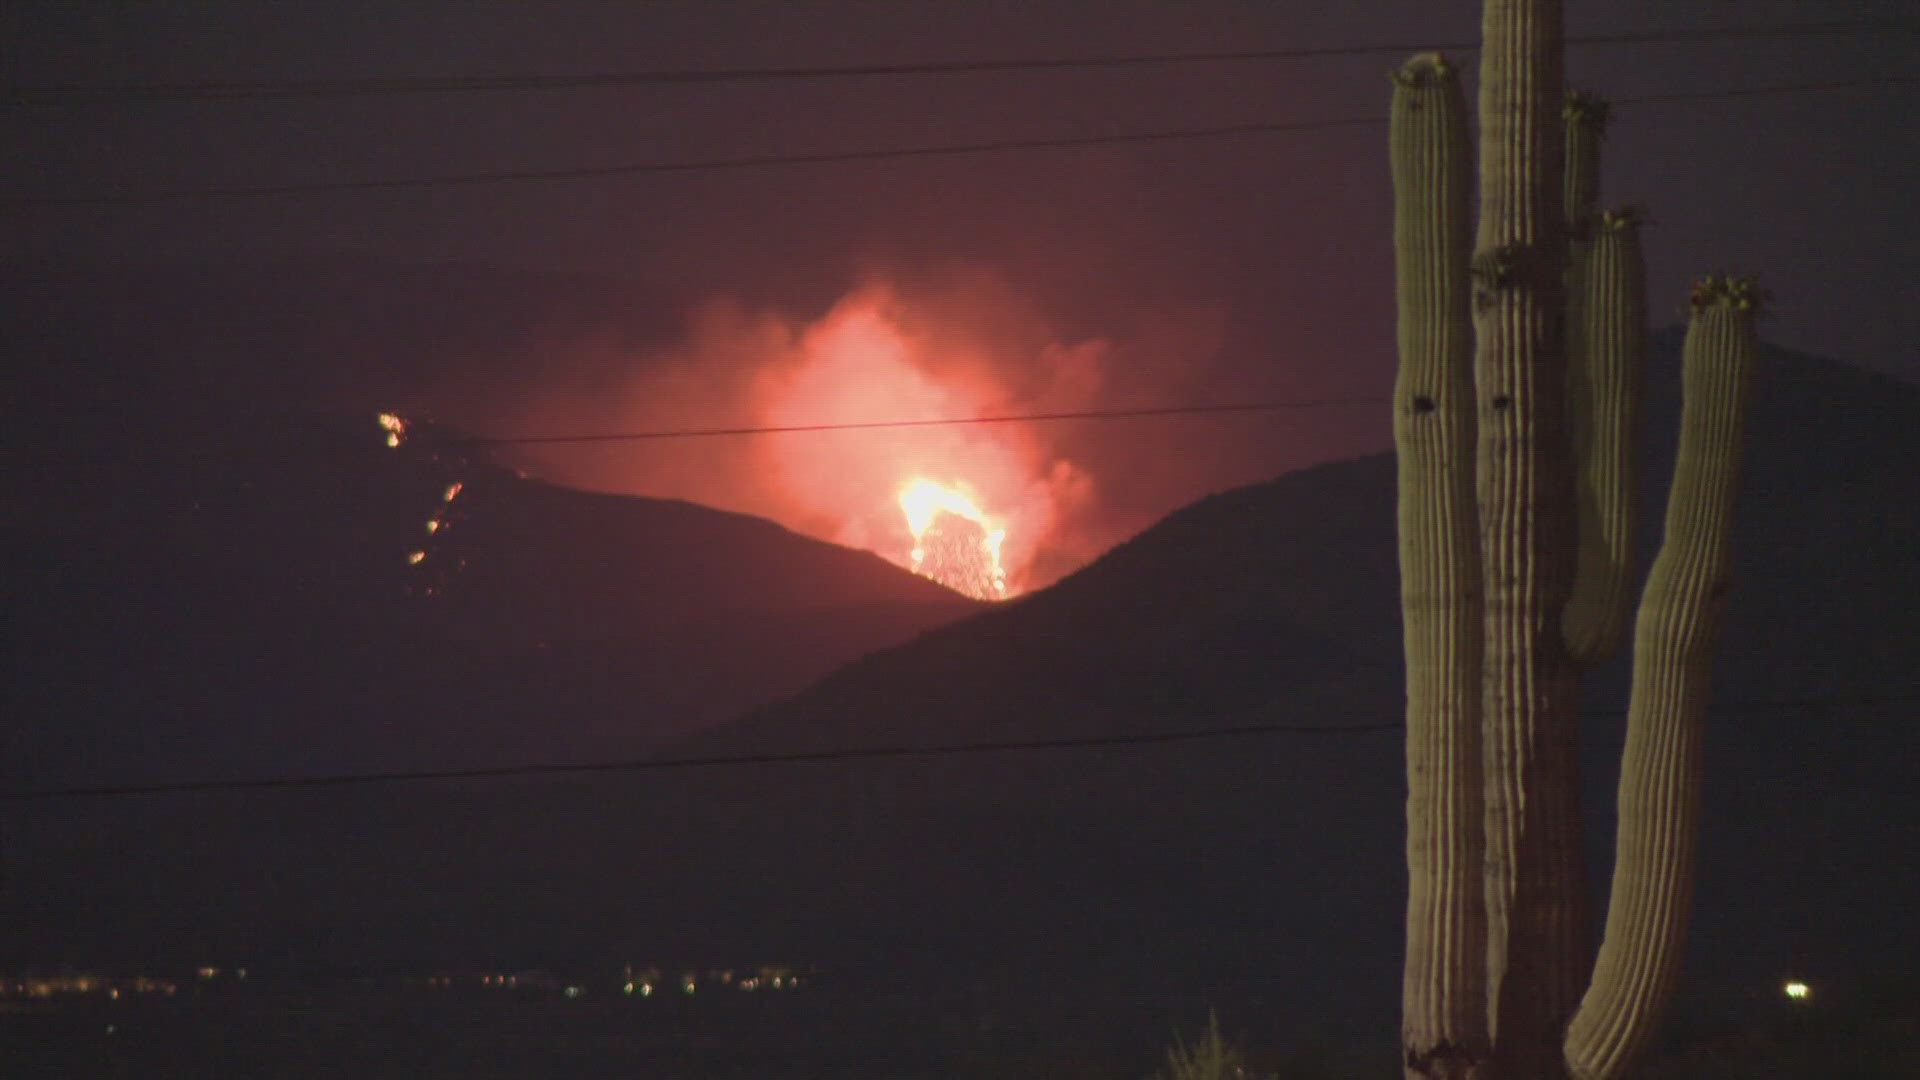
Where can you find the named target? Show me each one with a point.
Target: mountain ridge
(289, 570)
(1259, 873)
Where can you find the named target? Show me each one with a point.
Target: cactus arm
(1606, 322)
(1582, 119)
(1673, 648)
(1584, 124)
(1535, 880)
(1444, 1021)
(1604, 395)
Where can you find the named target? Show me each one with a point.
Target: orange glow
(394, 426)
(954, 543)
(414, 557)
(967, 505)
(452, 492)
(953, 346)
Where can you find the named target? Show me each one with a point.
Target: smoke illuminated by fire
(989, 509)
(967, 505)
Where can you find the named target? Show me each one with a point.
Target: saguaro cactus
(1536, 888)
(1606, 345)
(1433, 430)
(1673, 642)
(1493, 980)
(1603, 398)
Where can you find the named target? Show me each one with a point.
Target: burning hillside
(953, 542)
(886, 437)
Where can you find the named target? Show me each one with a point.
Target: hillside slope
(1110, 890)
(1247, 599)
(246, 601)
(1278, 603)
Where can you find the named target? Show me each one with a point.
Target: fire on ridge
(954, 542)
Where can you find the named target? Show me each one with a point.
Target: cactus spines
(1444, 1030)
(1603, 397)
(1673, 646)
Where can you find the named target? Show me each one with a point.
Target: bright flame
(395, 428)
(976, 501)
(963, 552)
(1797, 990)
(956, 348)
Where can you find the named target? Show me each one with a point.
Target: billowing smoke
(964, 347)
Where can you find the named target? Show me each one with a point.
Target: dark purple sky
(1282, 239)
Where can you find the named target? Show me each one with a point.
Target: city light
(1797, 990)
(630, 982)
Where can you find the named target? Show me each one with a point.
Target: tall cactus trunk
(1444, 1027)
(1673, 646)
(1536, 893)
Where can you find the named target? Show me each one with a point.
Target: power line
(658, 168)
(1071, 142)
(1764, 91)
(117, 93)
(433, 440)
(864, 425)
(717, 760)
(799, 757)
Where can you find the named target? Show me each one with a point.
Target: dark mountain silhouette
(238, 599)
(1110, 890)
(1249, 599)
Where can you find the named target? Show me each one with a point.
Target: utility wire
(1766, 91)
(115, 93)
(416, 438)
(1089, 742)
(1071, 142)
(1085, 414)
(748, 161)
(647, 764)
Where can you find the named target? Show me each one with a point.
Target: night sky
(1225, 268)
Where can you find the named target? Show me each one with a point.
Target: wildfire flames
(953, 542)
(966, 505)
(875, 443)
(395, 428)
